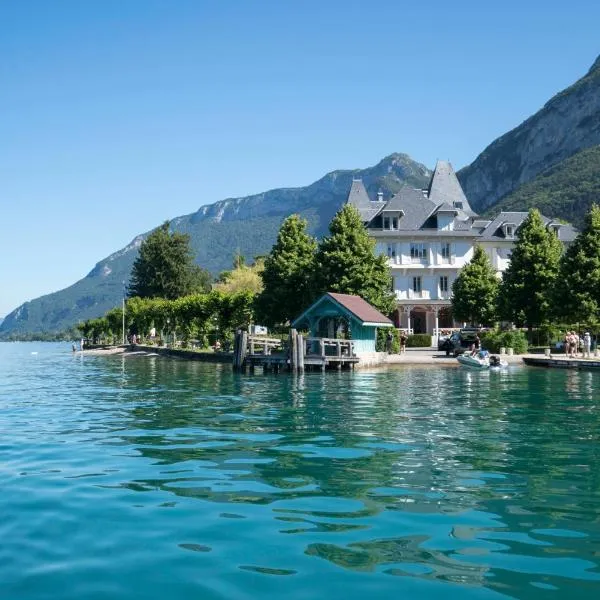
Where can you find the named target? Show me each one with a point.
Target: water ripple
(151, 478)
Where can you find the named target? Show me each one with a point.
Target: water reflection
(439, 475)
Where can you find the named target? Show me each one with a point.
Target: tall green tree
(165, 268)
(577, 290)
(347, 263)
(287, 274)
(525, 292)
(475, 291)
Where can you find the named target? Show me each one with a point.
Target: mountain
(566, 190)
(566, 125)
(249, 224)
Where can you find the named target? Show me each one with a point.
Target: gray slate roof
(445, 188)
(494, 230)
(419, 210)
(359, 198)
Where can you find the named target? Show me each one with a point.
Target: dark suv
(459, 341)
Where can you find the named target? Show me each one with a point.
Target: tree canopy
(165, 268)
(577, 290)
(242, 278)
(526, 288)
(347, 263)
(288, 274)
(475, 291)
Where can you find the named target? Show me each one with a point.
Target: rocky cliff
(568, 123)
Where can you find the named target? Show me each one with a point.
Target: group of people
(573, 342)
(389, 341)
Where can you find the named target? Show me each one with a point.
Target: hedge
(495, 339)
(419, 340)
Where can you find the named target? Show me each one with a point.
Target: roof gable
(359, 198)
(356, 306)
(445, 188)
(360, 308)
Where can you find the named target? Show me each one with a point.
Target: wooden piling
(293, 350)
(300, 353)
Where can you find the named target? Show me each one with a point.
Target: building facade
(428, 236)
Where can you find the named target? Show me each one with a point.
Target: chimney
(379, 196)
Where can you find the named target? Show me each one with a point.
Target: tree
(577, 290)
(475, 291)
(347, 263)
(287, 275)
(165, 268)
(243, 278)
(525, 291)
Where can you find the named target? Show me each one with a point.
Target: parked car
(442, 340)
(460, 341)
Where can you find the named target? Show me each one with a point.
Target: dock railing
(258, 344)
(329, 347)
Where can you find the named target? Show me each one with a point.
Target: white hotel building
(428, 235)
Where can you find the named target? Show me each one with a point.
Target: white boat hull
(473, 362)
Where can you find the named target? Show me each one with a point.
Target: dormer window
(555, 227)
(391, 221)
(509, 230)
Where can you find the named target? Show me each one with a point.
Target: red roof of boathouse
(360, 308)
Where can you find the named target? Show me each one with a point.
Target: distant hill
(566, 190)
(567, 124)
(249, 224)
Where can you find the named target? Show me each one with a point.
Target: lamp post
(168, 330)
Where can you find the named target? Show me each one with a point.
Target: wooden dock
(297, 355)
(563, 363)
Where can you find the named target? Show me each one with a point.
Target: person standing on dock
(403, 338)
(587, 345)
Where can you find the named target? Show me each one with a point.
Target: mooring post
(293, 350)
(300, 353)
(236, 350)
(243, 348)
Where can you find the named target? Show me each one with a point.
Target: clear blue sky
(118, 114)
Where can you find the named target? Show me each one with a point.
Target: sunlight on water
(143, 477)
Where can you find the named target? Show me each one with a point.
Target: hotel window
(391, 250)
(418, 251)
(416, 284)
(446, 251)
(394, 222)
(443, 283)
(510, 232)
(386, 222)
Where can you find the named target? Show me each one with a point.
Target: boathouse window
(417, 252)
(443, 283)
(446, 251)
(416, 284)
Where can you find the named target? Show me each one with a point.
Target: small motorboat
(479, 360)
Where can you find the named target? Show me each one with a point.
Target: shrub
(419, 340)
(495, 339)
(381, 345)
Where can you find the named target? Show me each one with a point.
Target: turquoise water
(153, 478)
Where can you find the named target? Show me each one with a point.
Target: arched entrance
(418, 320)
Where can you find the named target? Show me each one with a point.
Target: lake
(147, 477)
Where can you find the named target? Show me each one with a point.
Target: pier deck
(563, 363)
